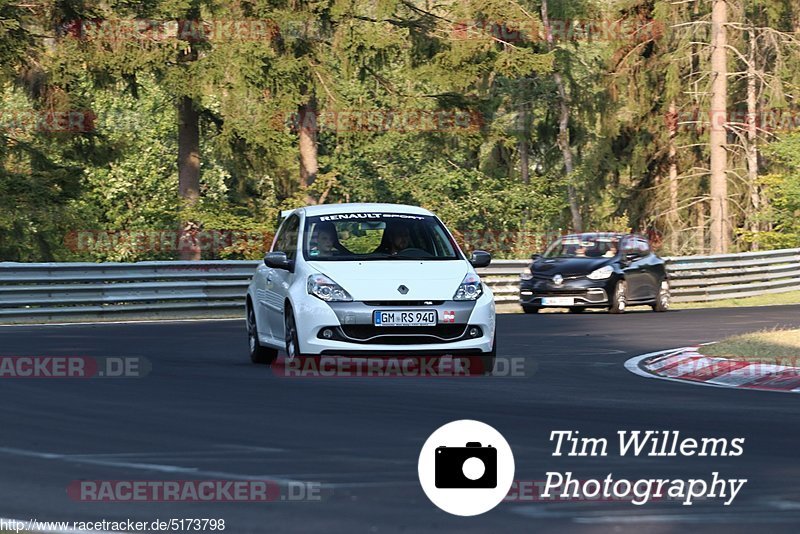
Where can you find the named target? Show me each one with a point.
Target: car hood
(569, 266)
(379, 280)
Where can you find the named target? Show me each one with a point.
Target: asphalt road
(204, 412)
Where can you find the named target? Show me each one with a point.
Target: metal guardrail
(34, 292)
(726, 276)
(39, 292)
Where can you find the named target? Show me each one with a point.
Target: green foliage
(483, 60)
(782, 190)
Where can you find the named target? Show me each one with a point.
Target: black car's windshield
(584, 246)
(376, 236)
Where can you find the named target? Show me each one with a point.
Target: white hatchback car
(361, 279)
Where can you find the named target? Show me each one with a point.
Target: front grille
(549, 277)
(403, 302)
(585, 295)
(404, 335)
(556, 293)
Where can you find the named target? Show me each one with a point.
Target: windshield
(584, 246)
(376, 236)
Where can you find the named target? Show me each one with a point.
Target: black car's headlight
(601, 274)
(526, 275)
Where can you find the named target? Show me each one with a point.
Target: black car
(595, 270)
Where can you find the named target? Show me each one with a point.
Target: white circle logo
(466, 467)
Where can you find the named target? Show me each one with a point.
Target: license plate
(558, 301)
(404, 318)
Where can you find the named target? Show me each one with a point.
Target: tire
(663, 298)
(290, 331)
(488, 358)
(577, 309)
(619, 298)
(258, 354)
(530, 309)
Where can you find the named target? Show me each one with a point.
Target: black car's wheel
(577, 309)
(530, 309)
(258, 354)
(663, 299)
(619, 298)
(290, 328)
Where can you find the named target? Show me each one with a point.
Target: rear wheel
(530, 309)
(258, 354)
(663, 299)
(619, 298)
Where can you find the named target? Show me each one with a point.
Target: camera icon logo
(472, 466)
(466, 467)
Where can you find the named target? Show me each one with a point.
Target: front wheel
(663, 299)
(258, 354)
(619, 298)
(488, 358)
(530, 309)
(290, 328)
(577, 309)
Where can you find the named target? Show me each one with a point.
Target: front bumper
(583, 291)
(466, 327)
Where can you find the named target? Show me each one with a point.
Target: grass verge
(777, 299)
(790, 297)
(781, 347)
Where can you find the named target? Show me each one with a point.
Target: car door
(648, 263)
(633, 268)
(278, 281)
(261, 302)
(265, 297)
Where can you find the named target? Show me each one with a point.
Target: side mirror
(277, 260)
(630, 257)
(480, 258)
(535, 257)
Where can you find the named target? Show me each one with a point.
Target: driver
(613, 248)
(396, 238)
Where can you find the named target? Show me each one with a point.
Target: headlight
(470, 288)
(601, 274)
(326, 289)
(526, 275)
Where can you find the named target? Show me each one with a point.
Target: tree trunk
(524, 161)
(188, 150)
(701, 227)
(563, 131)
(751, 147)
(720, 225)
(673, 220)
(523, 147)
(309, 165)
(188, 173)
(188, 153)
